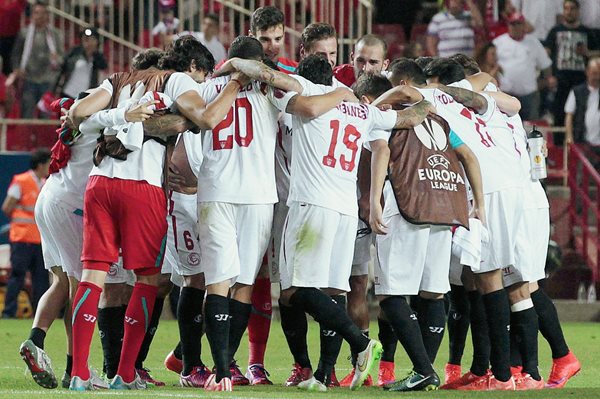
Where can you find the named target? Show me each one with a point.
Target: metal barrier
(584, 208)
(125, 26)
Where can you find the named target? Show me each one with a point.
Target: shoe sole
(547, 386)
(41, 377)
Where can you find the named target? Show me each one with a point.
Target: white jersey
(239, 154)
(497, 173)
(283, 149)
(67, 186)
(145, 164)
(193, 149)
(535, 196)
(326, 151)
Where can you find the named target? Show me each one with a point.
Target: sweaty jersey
(326, 151)
(239, 152)
(498, 171)
(283, 149)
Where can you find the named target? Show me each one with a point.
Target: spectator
(451, 32)
(413, 51)
(369, 55)
(487, 58)
(582, 109)
(36, 58)
(24, 237)
(81, 68)
(541, 14)
(10, 23)
(521, 57)
(209, 36)
(167, 27)
(570, 45)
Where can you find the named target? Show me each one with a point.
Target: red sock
(260, 321)
(85, 313)
(137, 318)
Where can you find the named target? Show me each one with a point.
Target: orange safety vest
(22, 222)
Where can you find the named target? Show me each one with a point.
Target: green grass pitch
(15, 382)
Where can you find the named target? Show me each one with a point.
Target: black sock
(240, 313)
(189, 320)
(525, 326)
(515, 352)
(150, 332)
(458, 322)
(177, 351)
(480, 336)
(295, 329)
(217, 322)
(388, 340)
(37, 335)
(110, 326)
(69, 365)
(324, 310)
(331, 343)
(498, 320)
(549, 324)
(406, 327)
(432, 322)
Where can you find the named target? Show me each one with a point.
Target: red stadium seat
(391, 33)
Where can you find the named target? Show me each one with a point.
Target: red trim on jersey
(345, 74)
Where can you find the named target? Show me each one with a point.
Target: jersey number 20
(241, 109)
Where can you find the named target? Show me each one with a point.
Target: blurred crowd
(541, 51)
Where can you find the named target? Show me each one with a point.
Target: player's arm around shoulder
(311, 107)
(414, 115)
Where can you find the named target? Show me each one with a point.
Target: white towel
(467, 244)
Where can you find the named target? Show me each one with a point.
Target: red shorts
(126, 214)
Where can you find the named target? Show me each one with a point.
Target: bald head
(592, 72)
(369, 55)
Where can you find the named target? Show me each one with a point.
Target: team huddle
(276, 172)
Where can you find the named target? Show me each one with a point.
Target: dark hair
(446, 70)
(469, 65)
(183, 52)
(576, 2)
(270, 63)
(371, 85)
(482, 53)
(264, 18)
(146, 59)
(373, 40)
(422, 62)
(316, 32)
(212, 16)
(316, 69)
(246, 47)
(406, 69)
(38, 157)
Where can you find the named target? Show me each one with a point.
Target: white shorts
(504, 210)
(362, 252)
(455, 274)
(61, 230)
(279, 215)
(412, 258)
(183, 216)
(317, 248)
(531, 248)
(171, 258)
(233, 240)
(118, 275)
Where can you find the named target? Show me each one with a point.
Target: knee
(242, 293)
(196, 281)
(518, 292)
(358, 287)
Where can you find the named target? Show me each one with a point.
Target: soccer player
(369, 55)
(137, 197)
